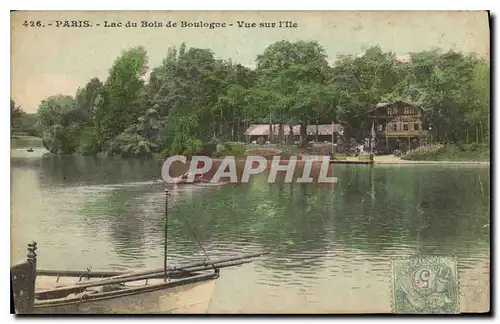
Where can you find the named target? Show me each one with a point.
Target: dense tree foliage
(119, 104)
(87, 99)
(193, 98)
(59, 124)
(16, 113)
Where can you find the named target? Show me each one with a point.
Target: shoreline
(393, 160)
(380, 160)
(431, 162)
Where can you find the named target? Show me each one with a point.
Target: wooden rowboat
(185, 288)
(155, 296)
(188, 289)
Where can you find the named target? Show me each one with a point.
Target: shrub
(210, 147)
(193, 147)
(423, 153)
(88, 143)
(450, 152)
(236, 149)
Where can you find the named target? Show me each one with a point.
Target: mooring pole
(23, 276)
(333, 140)
(30, 293)
(166, 231)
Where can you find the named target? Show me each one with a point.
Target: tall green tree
(364, 81)
(87, 98)
(119, 106)
(58, 124)
(479, 117)
(442, 84)
(295, 73)
(16, 113)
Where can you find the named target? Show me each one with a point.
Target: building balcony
(419, 133)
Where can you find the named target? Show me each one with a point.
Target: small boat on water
(198, 180)
(185, 288)
(183, 179)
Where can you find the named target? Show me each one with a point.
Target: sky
(52, 60)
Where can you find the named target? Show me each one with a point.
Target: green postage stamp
(425, 285)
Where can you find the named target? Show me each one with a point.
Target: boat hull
(192, 298)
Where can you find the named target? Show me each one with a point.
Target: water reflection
(110, 213)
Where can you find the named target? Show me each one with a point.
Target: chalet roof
(326, 129)
(387, 104)
(263, 129)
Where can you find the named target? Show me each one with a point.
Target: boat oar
(79, 273)
(150, 273)
(189, 265)
(208, 267)
(107, 274)
(189, 270)
(103, 274)
(109, 281)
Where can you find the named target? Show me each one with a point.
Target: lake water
(330, 247)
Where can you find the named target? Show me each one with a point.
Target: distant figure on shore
(30, 149)
(361, 149)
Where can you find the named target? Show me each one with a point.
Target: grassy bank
(18, 141)
(436, 152)
(449, 152)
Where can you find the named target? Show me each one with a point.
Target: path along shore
(391, 159)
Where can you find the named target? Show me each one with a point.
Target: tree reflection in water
(379, 211)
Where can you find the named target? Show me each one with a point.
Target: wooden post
(370, 143)
(271, 130)
(31, 283)
(166, 232)
(482, 131)
(332, 154)
(317, 127)
(23, 278)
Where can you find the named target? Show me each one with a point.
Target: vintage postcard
(231, 162)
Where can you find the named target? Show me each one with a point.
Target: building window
(394, 127)
(415, 126)
(409, 111)
(379, 128)
(405, 126)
